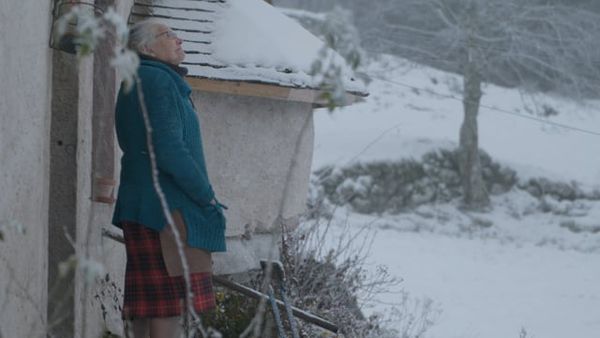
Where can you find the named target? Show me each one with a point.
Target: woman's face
(166, 46)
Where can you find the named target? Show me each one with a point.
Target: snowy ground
(490, 274)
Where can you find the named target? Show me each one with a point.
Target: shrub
(540, 187)
(548, 111)
(397, 186)
(330, 282)
(327, 283)
(233, 313)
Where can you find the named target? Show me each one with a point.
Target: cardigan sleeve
(172, 155)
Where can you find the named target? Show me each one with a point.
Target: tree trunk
(474, 190)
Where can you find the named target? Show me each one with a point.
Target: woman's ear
(146, 50)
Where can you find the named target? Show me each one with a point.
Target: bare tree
(531, 43)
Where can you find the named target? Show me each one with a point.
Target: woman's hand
(218, 204)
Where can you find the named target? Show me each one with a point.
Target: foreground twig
(166, 211)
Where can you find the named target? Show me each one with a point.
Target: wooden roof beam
(265, 90)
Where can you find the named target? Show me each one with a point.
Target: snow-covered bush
(327, 281)
(331, 280)
(576, 227)
(548, 111)
(393, 187)
(317, 203)
(540, 187)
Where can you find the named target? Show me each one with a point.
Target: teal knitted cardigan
(179, 156)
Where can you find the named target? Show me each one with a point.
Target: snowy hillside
(398, 122)
(525, 266)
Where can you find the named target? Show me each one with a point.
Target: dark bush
(397, 186)
(561, 191)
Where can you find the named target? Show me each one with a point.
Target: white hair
(143, 33)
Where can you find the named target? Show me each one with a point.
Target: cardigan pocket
(198, 260)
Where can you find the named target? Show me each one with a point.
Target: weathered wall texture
(71, 208)
(96, 157)
(89, 216)
(254, 148)
(110, 253)
(25, 70)
(63, 188)
(39, 149)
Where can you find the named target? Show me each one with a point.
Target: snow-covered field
(490, 274)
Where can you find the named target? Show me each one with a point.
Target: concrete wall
(112, 253)
(258, 153)
(97, 156)
(62, 220)
(90, 216)
(77, 134)
(47, 129)
(25, 70)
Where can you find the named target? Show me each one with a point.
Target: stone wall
(25, 70)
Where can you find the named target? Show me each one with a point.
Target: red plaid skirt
(149, 290)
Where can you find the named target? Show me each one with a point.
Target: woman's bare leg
(138, 328)
(165, 327)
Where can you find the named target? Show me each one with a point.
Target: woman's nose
(179, 41)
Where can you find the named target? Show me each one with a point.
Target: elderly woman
(154, 284)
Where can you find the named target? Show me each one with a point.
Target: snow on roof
(243, 40)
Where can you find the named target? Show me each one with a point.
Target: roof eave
(269, 90)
